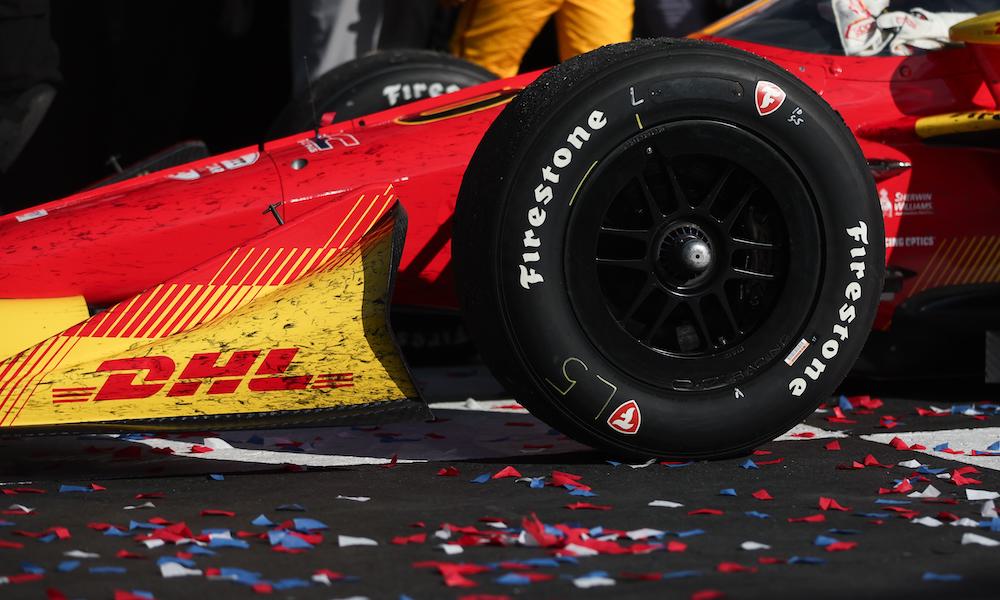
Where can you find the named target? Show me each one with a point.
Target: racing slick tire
(377, 82)
(669, 248)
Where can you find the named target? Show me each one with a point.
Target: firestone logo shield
(626, 418)
(769, 97)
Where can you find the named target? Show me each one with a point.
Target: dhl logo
(203, 369)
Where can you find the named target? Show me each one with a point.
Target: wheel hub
(685, 256)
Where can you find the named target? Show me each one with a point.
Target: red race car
(663, 247)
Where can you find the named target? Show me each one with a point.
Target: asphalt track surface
(701, 541)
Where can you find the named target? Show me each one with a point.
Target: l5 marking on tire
(769, 97)
(626, 418)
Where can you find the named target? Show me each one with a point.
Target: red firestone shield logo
(769, 97)
(626, 418)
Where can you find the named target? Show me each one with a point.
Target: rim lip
(787, 315)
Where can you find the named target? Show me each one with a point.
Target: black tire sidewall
(538, 335)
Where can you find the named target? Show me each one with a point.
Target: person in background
(495, 34)
(29, 72)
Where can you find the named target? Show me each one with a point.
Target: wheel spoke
(728, 310)
(675, 185)
(742, 244)
(637, 264)
(665, 312)
(735, 212)
(635, 234)
(655, 212)
(713, 195)
(641, 297)
(699, 320)
(736, 273)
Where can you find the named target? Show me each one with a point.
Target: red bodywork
(113, 242)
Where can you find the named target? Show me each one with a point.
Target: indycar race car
(664, 247)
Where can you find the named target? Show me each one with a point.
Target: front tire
(669, 248)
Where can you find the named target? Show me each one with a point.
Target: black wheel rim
(693, 255)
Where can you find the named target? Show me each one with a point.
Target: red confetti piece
(731, 567)
(126, 554)
(953, 451)
(841, 546)
(448, 472)
(834, 445)
(21, 490)
(534, 528)
(905, 513)
(392, 462)
(958, 476)
(817, 518)
(805, 434)
(771, 560)
(898, 444)
(762, 452)
(654, 576)
(454, 574)
(416, 538)
(947, 517)
(831, 504)
(24, 577)
(506, 472)
(871, 461)
(162, 450)
(762, 494)
(262, 588)
(587, 506)
(707, 595)
(213, 512)
(866, 402)
(198, 449)
(150, 496)
(769, 462)
(11, 545)
(54, 594)
(675, 546)
(705, 511)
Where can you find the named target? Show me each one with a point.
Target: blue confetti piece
(845, 531)
(958, 409)
(541, 562)
(133, 437)
(681, 574)
(143, 594)
(757, 515)
(584, 493)
(845, 404)
(67, 565)
(228, 543)
(187, 562)
(946, 577)
(262, 521)
(239, 575)
(727, 492)
(512, 579)
(689, 533)
(294, 543)
(133, 525)
(275, 536)
(481, 479)
(107, 570)
(679, 465)
(216, 477)
(994, 447)
(32, 568)
(570, 560)
(924, 470)
(892, 502)
(74, 488)
(749, 464)
(806, 560)
(613, 463)
(4, 523)
(287, 584)
(872, 515)
(941, 447)
(596, 531)
(45, 539)
(824, 541)
(307, 525)
(292, 507)
(115, 532)
(537, 483)
(193, 549)
(255, 439)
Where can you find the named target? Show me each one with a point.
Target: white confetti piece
(153, 543)
(349, 540)
(451, 549)
(589, 582)
(578, 550)
(975, 538)
(965, 522)
(81, 554)
(173, 569)
(217, 443)
(143, 505)
(21, 509)
(644, 533)
(989, 510)
(928, 522)
(665, 504)
(929, 492)
(911, 464)
(980, 494)
(644, 465)
(751, 546)
(354, 498)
